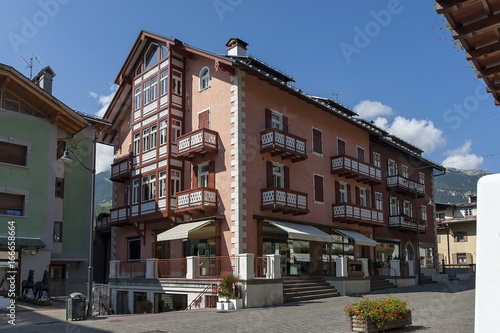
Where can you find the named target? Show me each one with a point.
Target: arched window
(409, 252)
(204, 78)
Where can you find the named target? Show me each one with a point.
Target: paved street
(443, 308)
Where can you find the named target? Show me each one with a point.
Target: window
(343, 192)
(462, 258)
(59, 190)
(135, 191)
(11, 204)
(145, 140)
(163, 83)
(204, 78)
(318, 189)
(61, 147)
(57, 235)
(392, 168)
(276, 120)
(134, 249)
(137, 98)
(163, 132)
(407, 208)
(424, 212)
(145, 189)
(421, 178)
(152, 143)
(203, 171)
(376, 159)
(152, 187)
(378, 201)
(147, 93)
(137, 143)
(176, 130)
(363, 196)
(278, 175)
(154, 88)
(10, 102)
(317, 141)
(393, 206)
(175, 182)
(151, 56)
(12, 153)
(460, 236)
(340, 147)
(164, 50)
(404, 169)
(177, 82)
(468, 212)
(162, 186)
(361, 154)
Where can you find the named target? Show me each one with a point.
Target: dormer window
(204, 78)
(151, 56)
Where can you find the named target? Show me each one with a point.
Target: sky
(393, 62)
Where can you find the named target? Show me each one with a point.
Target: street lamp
(66, 158)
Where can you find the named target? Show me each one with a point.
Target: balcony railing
(119, 215)
(120, 169)
(172, 268)
(103, 222)
(198, 142)
(281, 143)
(349, 167)
(406, 223)
(197, 199)
(132, 269)
(346, 212)
(284, 200)
(405, 186)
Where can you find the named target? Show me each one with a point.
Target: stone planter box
(367, 326)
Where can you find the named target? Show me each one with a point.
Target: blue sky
(391, 61)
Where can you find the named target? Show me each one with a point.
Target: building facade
(218, 156)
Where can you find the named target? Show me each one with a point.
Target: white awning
(357, 237)
(302, 232)
(182, 230)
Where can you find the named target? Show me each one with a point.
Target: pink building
(221, 164)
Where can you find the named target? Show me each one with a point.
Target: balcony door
(204, 174)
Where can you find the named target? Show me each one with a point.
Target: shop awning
(182, 230)
(23, 243)
(357, 237)
(302, 231)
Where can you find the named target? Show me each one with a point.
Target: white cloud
(104, 100)
(461, 158)
(103, 158)
(372, 109)
(421, 133)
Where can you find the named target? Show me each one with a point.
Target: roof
(476, 24)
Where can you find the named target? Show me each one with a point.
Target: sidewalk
(443, 308)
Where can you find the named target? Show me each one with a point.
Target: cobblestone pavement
(439, 307)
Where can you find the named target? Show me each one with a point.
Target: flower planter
(367, 326)
(223, 298)
(237, 303)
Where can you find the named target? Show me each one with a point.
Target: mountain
(103, 192)
(454, 186)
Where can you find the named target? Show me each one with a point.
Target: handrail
(197, 299)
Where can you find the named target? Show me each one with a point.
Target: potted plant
(227, 287)
(378, 314)
(146, 306)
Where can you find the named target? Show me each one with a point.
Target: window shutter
(203, 119)
(341, 146)
(348, 193)
(358, 199)
(337, 191)
(195, 176)
(286, 171)
(285, 123)
(269, 174)
(368, 203)
(455, 258)
(268, 118)
(317, 141)
(318, 188)
(468, 257)
(211, 174)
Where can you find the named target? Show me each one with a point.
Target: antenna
(30, 63)
(337, 96)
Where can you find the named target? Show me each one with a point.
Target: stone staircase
(380, 283)
(306, 289)
(426, 279)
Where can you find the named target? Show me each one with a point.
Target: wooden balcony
(351, 213)
(119, 216)
(283, 200)
(284, 144)
(406, 223)
(349, 167)
(405, 186)
(120, 169)
(198, 199)
(197, 143)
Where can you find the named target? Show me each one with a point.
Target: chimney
(236, 47)
(44, 79)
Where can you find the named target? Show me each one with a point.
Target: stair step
(296, 289)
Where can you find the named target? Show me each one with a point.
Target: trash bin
(75, 306)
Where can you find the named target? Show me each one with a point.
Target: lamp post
(66, 158)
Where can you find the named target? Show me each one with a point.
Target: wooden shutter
(317, 141)
(455, 258)
(61, 147)
(468, 257)
(348, 193)
(268, 118)
(284, 119)
(358, 196)
(286, 172)
(204, 119)
(211, 174)
(13, 154)
(341, 146)
(361, 154)
(195, 176)
(11, 201)
(368, 203)
(318, 188)
(337, 191)
(269, 174)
